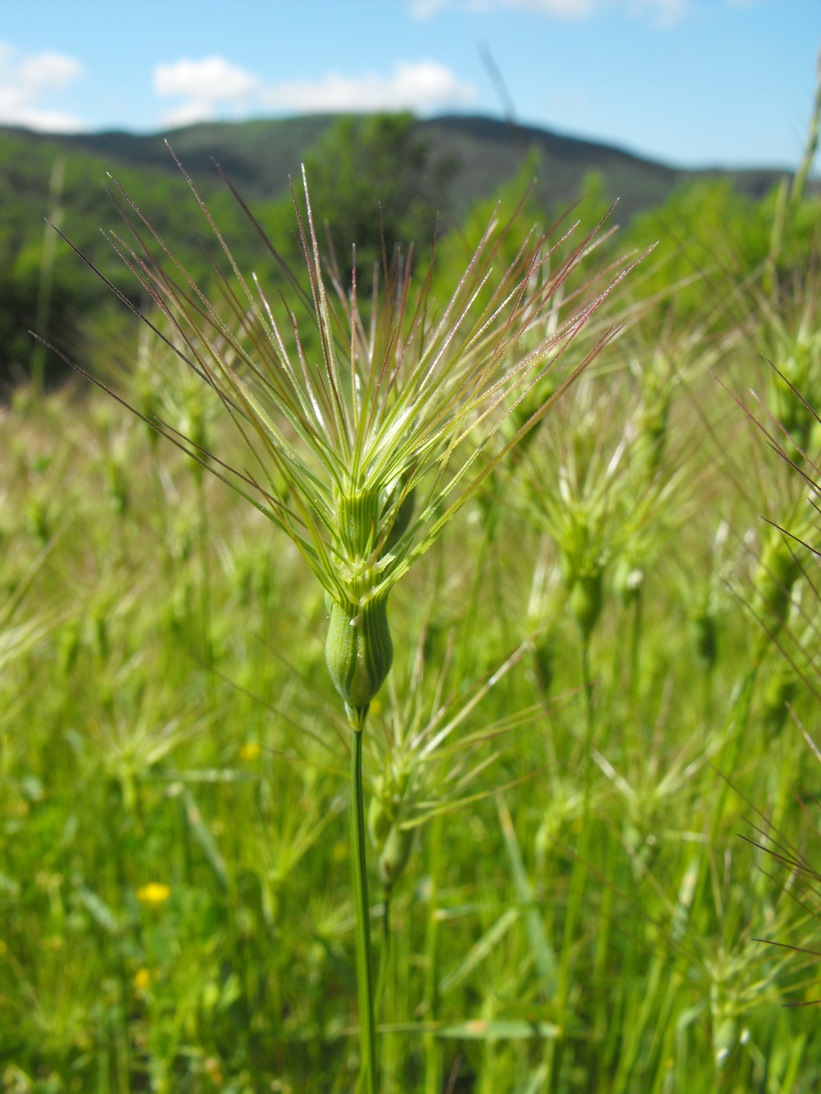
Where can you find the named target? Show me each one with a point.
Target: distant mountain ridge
(482, 153)
(64, 178)
(638, 183)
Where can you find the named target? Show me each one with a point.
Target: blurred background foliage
(376, 181)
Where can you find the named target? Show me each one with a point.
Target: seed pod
(392, 842)
(705, 638)
(379, 820)
(628, 580)
(567, 567)
(778, 570)
(586, 602)
(394, 855)
(778, 695)
(726, 1038)
(652, 428)
(359, 654)
(544, 661)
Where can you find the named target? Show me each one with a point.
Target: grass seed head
(392, 841)
(369, 426)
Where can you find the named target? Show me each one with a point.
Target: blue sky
(688, 82)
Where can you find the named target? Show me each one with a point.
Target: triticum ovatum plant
(369, 424)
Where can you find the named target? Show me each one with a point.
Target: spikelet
(359, 654)
(358, 647)
(777, 572)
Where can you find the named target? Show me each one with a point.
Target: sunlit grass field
(593, 753)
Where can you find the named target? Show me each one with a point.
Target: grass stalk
(364, 962)
(203, 535)
(587, 684)
(555, 1058)
(432, 1045)
(635, 644)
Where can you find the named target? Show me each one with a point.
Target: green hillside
(433, 173)
(482, 152)
(489, 152)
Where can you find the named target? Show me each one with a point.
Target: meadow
(590, 779)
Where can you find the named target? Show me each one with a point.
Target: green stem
(432, 1046)
(587, 684)
(556, 1058)
(635, 643)
(364, 975)
(205, 576)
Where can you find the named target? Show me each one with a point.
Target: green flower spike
(372, 426)
(368, 428)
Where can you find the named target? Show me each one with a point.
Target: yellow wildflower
(142, 980)
(155, 893)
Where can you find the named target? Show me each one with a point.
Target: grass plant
(548, 857)
(363, 458)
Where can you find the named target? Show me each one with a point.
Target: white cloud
(204, 86)
(210, 86)
(564, 9)
(27, 80)
(422, 86)
(663, 13)
(425, 9)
